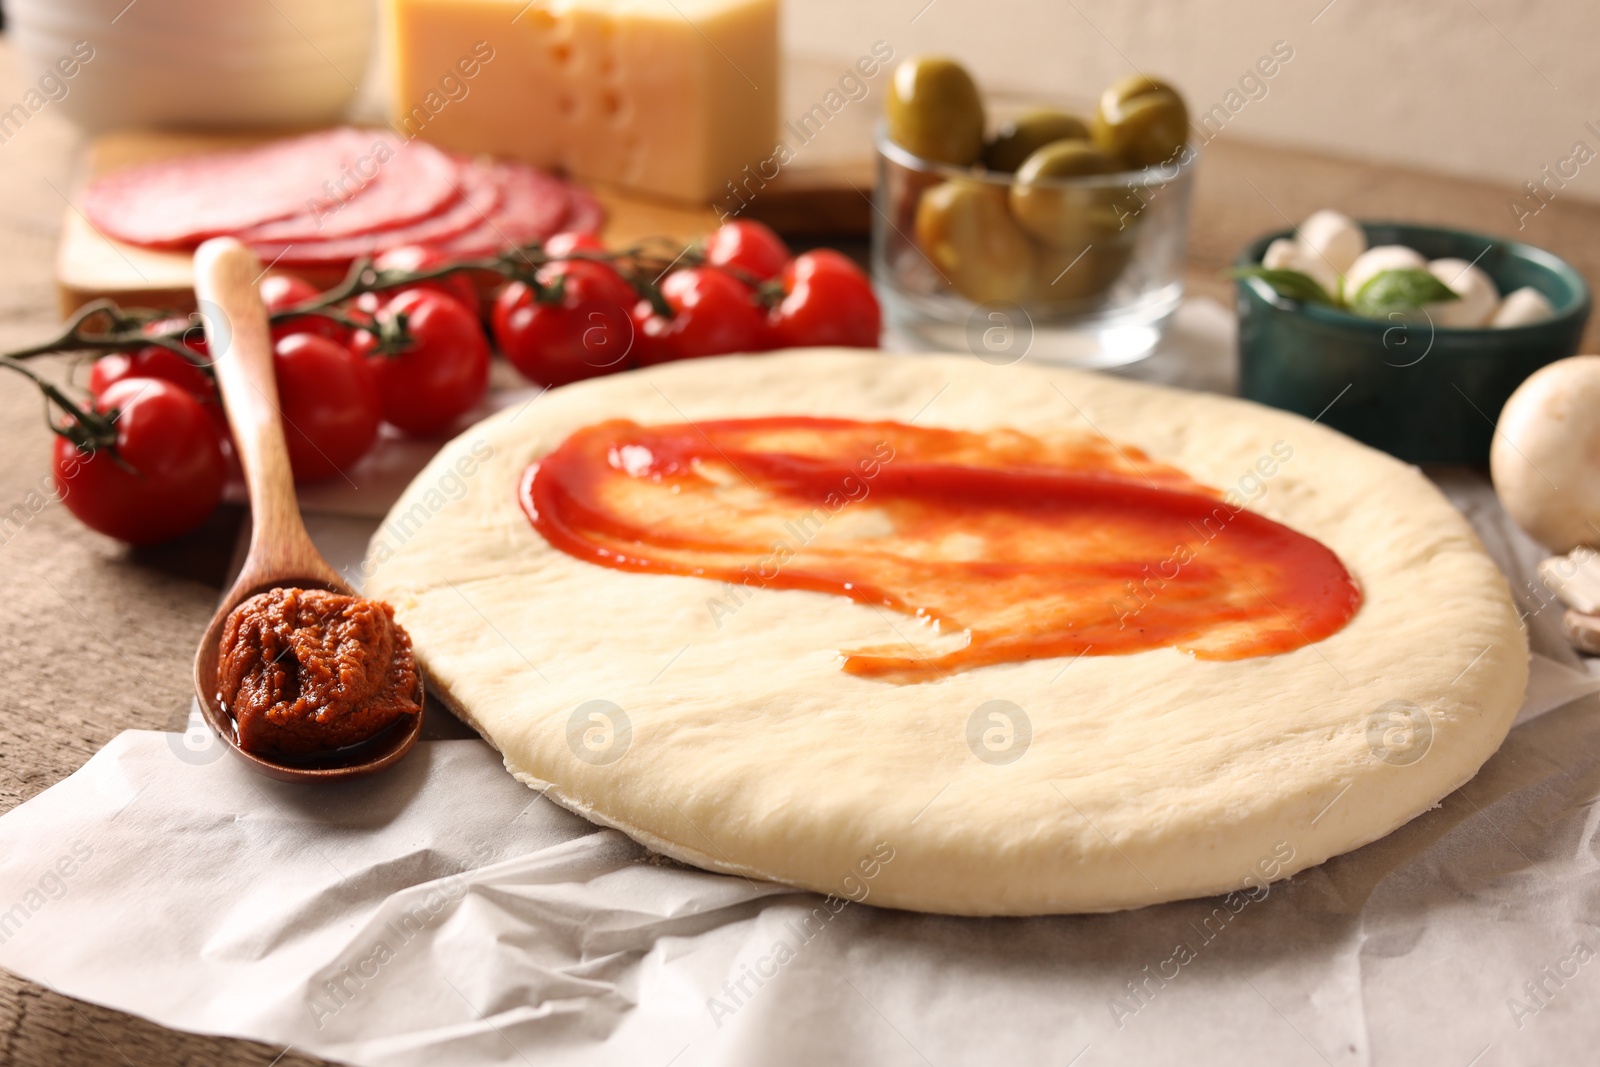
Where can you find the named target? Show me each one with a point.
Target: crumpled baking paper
(443, 913)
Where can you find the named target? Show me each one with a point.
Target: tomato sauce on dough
(306, 671)
(1026, 546)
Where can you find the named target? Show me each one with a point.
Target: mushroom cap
(1545, 459)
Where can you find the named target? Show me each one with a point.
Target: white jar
(197, 63)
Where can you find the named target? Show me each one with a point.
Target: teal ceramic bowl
(1423, 393)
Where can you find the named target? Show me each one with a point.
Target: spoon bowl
(281, 554)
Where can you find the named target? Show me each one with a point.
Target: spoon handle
(226, 274)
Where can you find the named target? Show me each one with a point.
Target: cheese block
(670, 97)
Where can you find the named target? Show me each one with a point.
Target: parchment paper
(443, 913)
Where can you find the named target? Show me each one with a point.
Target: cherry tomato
(177, 469)
(827, 301)
(194, 335)
(329, 404)
(442, 375)
(365, 307)
(586, 333)
(426, 257)
(747, 248)
(712, 314)
(564, 244)
(652, 341)
(152, 361)
(280, 291)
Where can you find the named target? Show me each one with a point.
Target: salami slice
(396, 182)
(180, 202)
(328, 198)
(478, 197)
(533, 205)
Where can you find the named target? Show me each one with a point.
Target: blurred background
(1489, 89)
(1485, 89)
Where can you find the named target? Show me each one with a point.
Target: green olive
(1020, 139)
(1141, 121)
(934, 111)
(1063, 277)
(965, 229)
(1057, 211)
(1065, 159)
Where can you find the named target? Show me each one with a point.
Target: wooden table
(96, 638)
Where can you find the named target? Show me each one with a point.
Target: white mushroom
(1334, 237)
(1477, 291)
(1522, 307)
(1544, 456)
(1286, 254)
(1377, 260)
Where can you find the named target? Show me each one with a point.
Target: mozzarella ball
(1333, 236)
(1478, 295)
(1522, 307)
(1281, 254)
(1377, 260)
(1287, 254)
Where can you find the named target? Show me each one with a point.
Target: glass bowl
(957, 271)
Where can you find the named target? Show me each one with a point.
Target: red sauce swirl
(1035, 547)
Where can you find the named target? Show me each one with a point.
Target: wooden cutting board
(821, 197)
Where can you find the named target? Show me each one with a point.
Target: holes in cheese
(671, 97)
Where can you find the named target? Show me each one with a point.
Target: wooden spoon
(281, 552)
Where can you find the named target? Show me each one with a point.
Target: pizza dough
(731, 740)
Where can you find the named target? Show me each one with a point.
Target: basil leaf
(1290, 284)
(1391, 291)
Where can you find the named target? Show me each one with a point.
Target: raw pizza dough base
(1148, 777)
